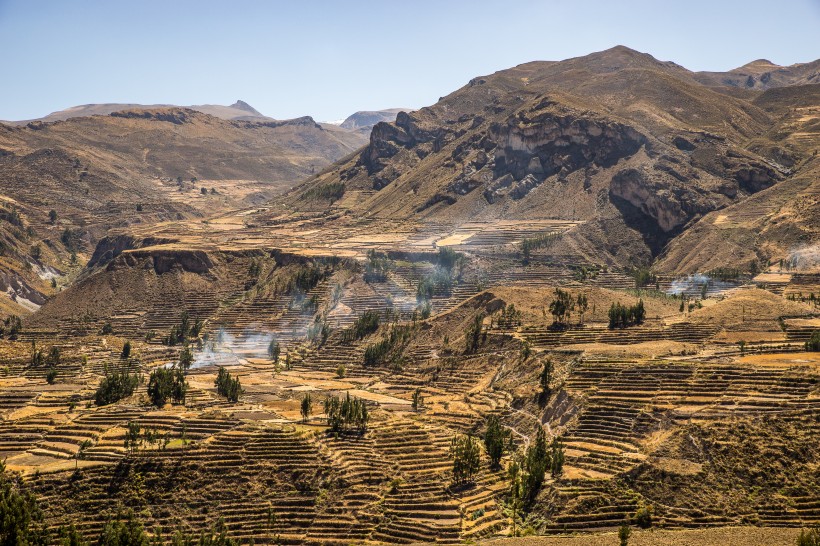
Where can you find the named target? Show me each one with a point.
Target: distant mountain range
(238, 111)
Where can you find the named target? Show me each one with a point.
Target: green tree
(546, 376)
(418, 400)
(561, 307)
(81, 452)
(813, 343)
(228, 386)
(52, 216)
(516, 491)
(536, 463)
(274, 351)
(623, 534)
(186, 357)
(51, 376)
(115, 386)
(167, 384)
(307, 407)
(126, 351)
(496, 440)
(21, 520)
(123, 533)
(466, 455)
(472, 337)
(556, 458)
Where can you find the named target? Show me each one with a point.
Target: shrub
(126, 351)
(643, 516)
(341, 371)
(809, 537)
(51, 376)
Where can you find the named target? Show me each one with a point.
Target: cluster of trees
(365, 325)
(307, 277)
(332, 191)
(40, 358)
(346, 414)
(562, 306)
(621, 316)
(136, 437)
(115, 386)
(167, 384)
(390, 348)
(22, 521)
(529, 244)
(228, 386)
(11, 327)
(185, 330)
(509, 317)
(466, 455)
(71, 239)
(319, 330)
(377, 267)
(539, 459)
(644, 277)
(439, 281)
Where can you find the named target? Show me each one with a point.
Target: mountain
(138, 166)
(763, 74)
(633, 150)
(239, 110)
(367, 119)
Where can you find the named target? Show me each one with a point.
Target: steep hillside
(633, 149)
(138, 167)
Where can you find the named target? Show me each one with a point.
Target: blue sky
(330, 58)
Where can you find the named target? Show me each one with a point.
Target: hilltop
(617, 141)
